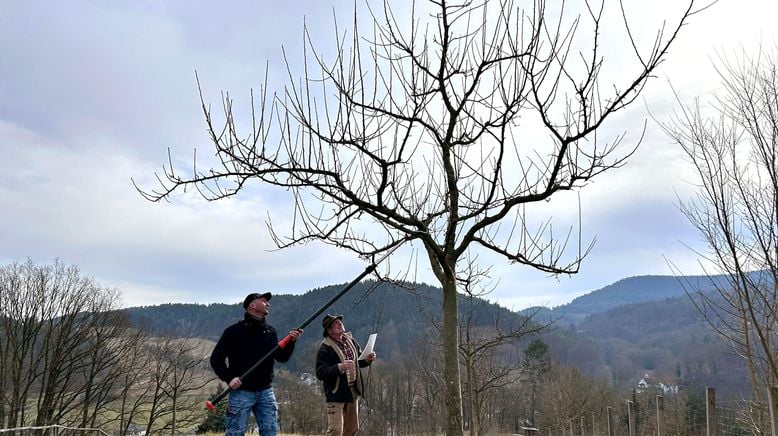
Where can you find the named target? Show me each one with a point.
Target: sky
(94, 94)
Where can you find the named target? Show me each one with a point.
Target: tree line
(616, 346)
(68, 357)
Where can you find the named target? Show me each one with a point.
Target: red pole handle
(284, 342)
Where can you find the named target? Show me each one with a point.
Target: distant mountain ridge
(630, 290)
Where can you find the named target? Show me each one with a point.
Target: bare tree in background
(61, 342)
(176, 376)
(393, 397)
(108, 344)
(303, 411)
(733, 145)
(445, 128)
(569, 395)
(133, 388)
(489, 352)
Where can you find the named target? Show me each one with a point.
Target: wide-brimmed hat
(328, 320)
(253, 296)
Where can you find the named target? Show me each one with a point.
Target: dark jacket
(241, 346)
(335, 384)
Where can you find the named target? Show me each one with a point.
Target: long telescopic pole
(211, 405)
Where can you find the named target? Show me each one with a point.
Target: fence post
(772, 399)
(571, 427)
(660, 415)
(610, 420)
(595, 426)
(631, 418)
(710, 412)
(583, 426)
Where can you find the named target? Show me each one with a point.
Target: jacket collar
(254, 321)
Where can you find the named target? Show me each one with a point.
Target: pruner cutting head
(210, 406)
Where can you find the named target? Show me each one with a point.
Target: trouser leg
(266, 412)
(351, 418)
(239, 408)
(335, 419)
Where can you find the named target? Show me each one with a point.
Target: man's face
(336, 329)
(260, 307)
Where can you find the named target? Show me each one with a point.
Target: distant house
(649, 383)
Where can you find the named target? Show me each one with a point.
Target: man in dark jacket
(337, 365)
(240, 346)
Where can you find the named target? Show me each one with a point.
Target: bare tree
(60, 335)
(426, 368)
(178, 369)
(568, 395)
(303, 404)
(20, 330)
(733, 146)
(109, 343)
(133, 389)
(424, 132)
(392, 397)
(490, 356)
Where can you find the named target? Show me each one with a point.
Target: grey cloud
(93, 93)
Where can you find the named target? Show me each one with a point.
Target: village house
(649, 383)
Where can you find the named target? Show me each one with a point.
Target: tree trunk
(453, 391)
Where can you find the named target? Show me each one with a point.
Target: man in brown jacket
(338, 367)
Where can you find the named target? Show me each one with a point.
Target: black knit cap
(253, 296)
(328, 320)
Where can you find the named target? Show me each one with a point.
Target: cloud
(81, 207)
(95, 93)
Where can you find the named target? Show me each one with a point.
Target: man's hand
(295, 333)
(346, 365)
(371, 357)
(235, 383)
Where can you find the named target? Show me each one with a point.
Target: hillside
(644, 323)
(399, 315)
(667, 337)
(635, 325)
(626, 291)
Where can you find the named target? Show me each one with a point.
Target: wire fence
(57, 430)
(727, 418)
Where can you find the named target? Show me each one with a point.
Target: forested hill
(401, 316)
(668, 337)
(613, 339)
(630, 290)
(370, 306)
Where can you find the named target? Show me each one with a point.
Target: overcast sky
(94, 93)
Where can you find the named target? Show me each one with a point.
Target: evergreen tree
(214, 421)
(695, 408)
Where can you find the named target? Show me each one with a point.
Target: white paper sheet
(368, 347)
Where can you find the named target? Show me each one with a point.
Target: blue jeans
(242, 403)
